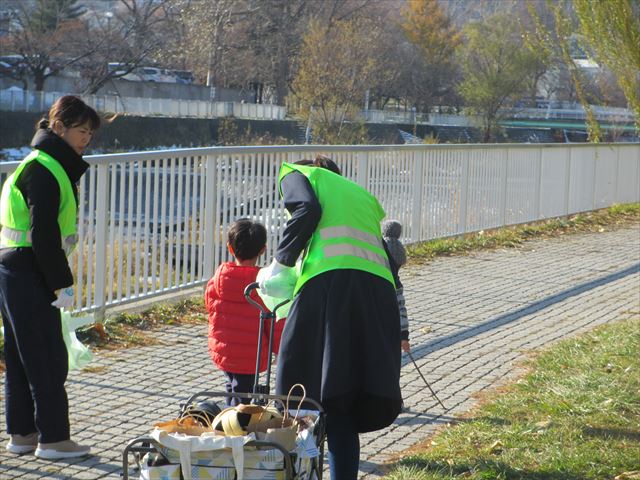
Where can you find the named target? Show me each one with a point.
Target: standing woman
(38, 209)
(342, 336)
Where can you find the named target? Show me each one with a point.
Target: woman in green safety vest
(38, 208)
(342, 336)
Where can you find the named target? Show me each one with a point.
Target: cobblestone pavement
(473, 319)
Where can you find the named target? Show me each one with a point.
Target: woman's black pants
(36, 358)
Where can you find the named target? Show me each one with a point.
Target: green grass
(576, 415)
(598, 221)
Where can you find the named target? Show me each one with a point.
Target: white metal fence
(608, 114)
(33, 101)
(155, 222)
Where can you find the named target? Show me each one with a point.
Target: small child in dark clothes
(391, 232)
(233, 322)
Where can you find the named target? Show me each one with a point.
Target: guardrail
(617, 115)
(155, 223)
(614, 115)
(34, 101)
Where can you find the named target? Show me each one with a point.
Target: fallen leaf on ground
(544, 424)
(632, 475)
(496, 447)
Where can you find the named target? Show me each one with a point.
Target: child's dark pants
(239, 382)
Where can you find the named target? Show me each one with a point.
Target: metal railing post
(538, 185)
(594, 182)
(464, 194)
(102, 200)
(363, 169)
(616, 191)
(504, 183)
(419, 159)
(210, 220)
(567, 182)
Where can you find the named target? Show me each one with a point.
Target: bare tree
(273, 35)
(54, 35)
(210, 38)
(132, 34)
(336, 68)
(42, 34)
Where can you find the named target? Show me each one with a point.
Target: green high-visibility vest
(348, 234)
(14, 212)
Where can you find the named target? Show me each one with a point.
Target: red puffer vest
(233, 322)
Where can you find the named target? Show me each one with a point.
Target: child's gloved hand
(64, 298)
(277, 280)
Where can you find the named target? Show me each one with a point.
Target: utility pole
(366, 105)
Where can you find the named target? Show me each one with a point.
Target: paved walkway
(473, 319)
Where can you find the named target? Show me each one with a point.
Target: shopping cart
(262, 459)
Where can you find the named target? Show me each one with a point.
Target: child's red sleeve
(210, 295)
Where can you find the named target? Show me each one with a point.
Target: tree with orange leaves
(427, 27)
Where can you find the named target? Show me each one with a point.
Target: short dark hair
(325, 162)
(321, 161)
(247, 238)
(71, 111)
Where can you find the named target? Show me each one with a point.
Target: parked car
(12, 65)
(183, 76)
(144, 74)
(155, 74)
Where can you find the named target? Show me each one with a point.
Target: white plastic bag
(269, 301)
(79, 354)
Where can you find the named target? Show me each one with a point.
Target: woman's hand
(278, 280)
(405, 345)
(64, 298)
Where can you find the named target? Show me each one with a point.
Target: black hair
(247, 238)
(321, 161)
(71, 111)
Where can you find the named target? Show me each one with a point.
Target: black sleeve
(303, 205)
(42, 194)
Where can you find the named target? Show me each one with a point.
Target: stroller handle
(247, 294)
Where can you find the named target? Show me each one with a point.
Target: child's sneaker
(20, 444)
(64, 449)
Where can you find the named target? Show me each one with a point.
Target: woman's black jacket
(41, 191)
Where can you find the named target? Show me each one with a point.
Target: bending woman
(343, 330)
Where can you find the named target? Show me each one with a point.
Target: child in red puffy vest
(233, 322)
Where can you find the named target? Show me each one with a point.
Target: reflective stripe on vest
(348, 249)
(345, 238)
(12, 235)
(342, 231)
(18, 236)
(337, 249)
